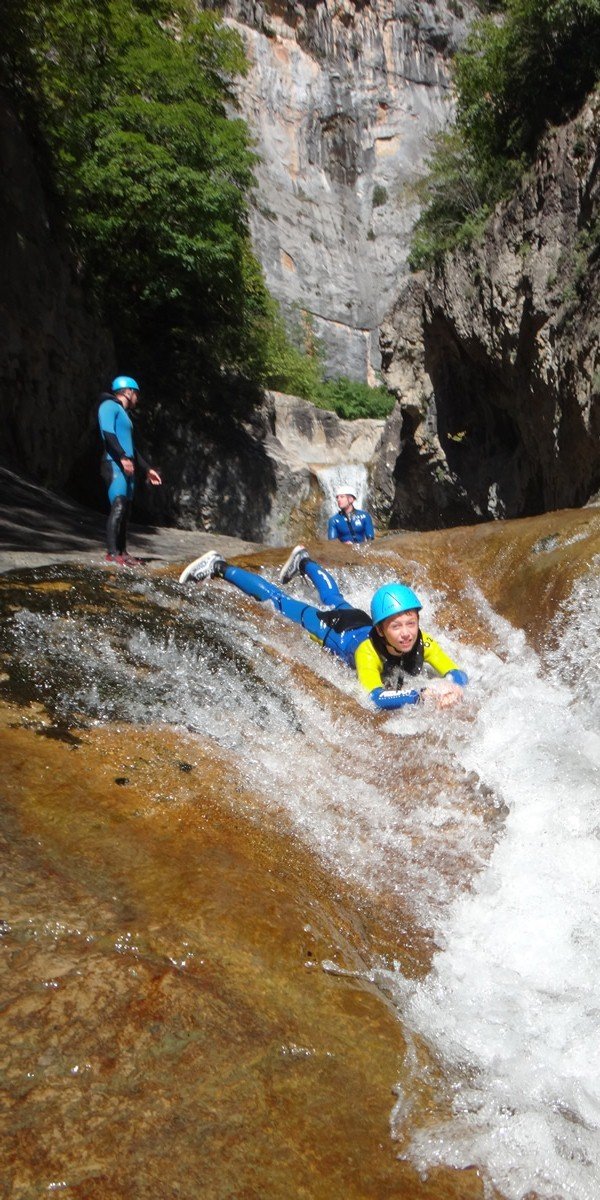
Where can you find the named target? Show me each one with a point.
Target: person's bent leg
(260, 589)
(327, 588)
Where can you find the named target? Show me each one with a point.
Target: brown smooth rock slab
(167, 1029)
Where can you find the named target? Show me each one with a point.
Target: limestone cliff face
(341, 98)
(54, 356)
(495, 356)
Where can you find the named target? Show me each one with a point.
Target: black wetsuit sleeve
(114, 446)
(117, 452)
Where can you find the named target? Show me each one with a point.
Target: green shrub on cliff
(515, 75)
(295, 365)
(457, 194)
(351, 399)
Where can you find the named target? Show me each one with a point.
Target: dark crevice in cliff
(477, 433)
(495, 353)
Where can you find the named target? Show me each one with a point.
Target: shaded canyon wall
(264, 485)
(495, 359)
(54, 355)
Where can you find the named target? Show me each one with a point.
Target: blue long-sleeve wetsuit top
(116, 428)
(357, 527)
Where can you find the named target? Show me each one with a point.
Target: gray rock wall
(342, 97)
(495, 356)
(263, 485)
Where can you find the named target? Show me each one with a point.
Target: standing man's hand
(153, 477)
(128, 466)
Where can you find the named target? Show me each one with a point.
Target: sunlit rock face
(494, 356)
(341, 98)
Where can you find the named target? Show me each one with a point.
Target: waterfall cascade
(331, 479)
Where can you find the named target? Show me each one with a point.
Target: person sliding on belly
(382, 647)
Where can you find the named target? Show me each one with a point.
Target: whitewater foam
(511, 1006)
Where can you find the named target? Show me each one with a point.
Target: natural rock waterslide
(241, 909)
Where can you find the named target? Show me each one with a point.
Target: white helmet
(345, 489)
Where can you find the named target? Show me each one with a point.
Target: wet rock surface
(168, 1026)
(38, 527)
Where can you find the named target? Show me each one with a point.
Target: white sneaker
(294, 562)
(204, 567)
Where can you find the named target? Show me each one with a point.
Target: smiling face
(401, 631)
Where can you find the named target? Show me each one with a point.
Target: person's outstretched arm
(444, 665)
(368, 668)
(441, 662)
(152, 475)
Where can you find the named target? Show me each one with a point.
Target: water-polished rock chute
(240, 908)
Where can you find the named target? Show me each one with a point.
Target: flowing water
(436, 874)
(353, 475)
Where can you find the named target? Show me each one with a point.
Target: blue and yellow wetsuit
(348, 633)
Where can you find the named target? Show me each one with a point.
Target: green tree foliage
(515, 75)
(134, 98)
(134, 101)
(457, 194)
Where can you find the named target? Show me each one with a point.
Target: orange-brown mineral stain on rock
(167, 1028)
(524, 568)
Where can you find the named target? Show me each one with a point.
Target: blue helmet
(391, 599)
(124, 381)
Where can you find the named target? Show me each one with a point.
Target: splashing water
(511, 1006)
(332, 478)
(206, 671)
(484, 825)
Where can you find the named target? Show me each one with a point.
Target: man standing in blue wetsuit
(350, 524)
(119, 462)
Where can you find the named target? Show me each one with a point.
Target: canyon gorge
(491, 355)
